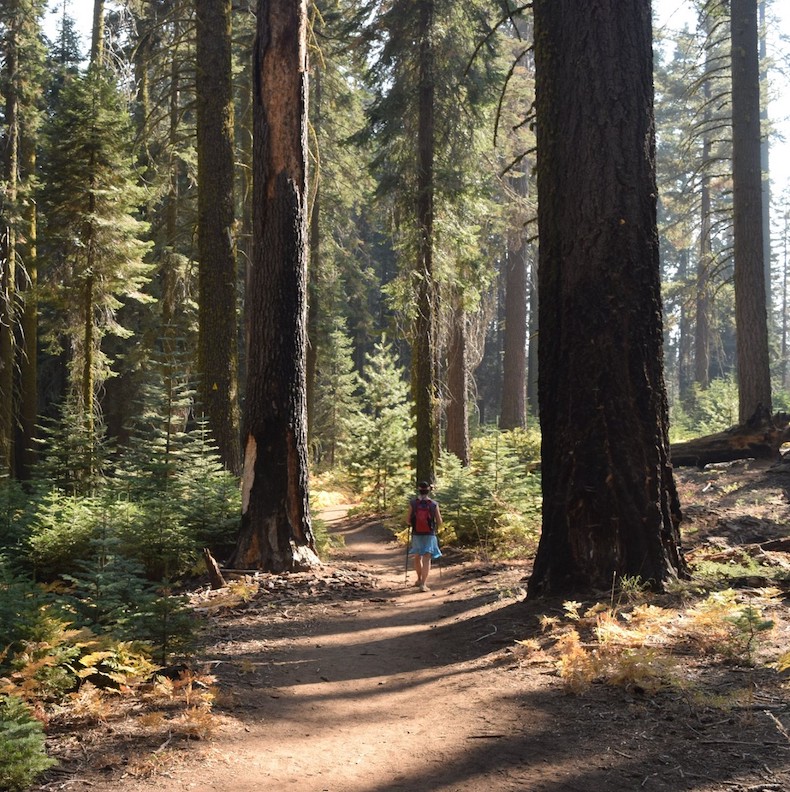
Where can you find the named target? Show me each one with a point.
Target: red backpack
(423, 516)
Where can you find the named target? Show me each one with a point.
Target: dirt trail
(389, 689)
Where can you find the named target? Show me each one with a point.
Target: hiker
(424, 518)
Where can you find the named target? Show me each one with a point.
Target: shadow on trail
(381, 653)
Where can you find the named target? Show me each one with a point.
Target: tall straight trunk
(685, 379)
(28, 360)
(458, 387)
(244, 126)
(217, 331)
(314, 272)
(765, 151)
(513, 412)
(276, 532)
(785, 277)
(88, 339)
(705, 259)
(751, 320)
(424, 348)
(532, 338)
(97, 34)
(169, 273)
(610, 508)
(8, 253)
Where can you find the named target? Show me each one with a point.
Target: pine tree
(93, 238)
(336, 399)
(376, 451)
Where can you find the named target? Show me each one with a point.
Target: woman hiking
(424, 518)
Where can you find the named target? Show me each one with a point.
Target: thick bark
(458, 389)
(610, 507)
(513, 413)
(423, 376)
(761, 437)
(276, 533)
(751, 322)
(217, 335)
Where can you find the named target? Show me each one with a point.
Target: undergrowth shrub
(635, 645)
(22, 754)
(493, 504)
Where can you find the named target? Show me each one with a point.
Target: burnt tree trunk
(610, 507)
(276, 533)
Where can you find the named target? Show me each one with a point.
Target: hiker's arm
(408, 516)
(439, 520)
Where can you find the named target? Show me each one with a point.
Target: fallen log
(761, 437)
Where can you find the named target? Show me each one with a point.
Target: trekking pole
(406, 563)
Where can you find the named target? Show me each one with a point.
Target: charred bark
(610, 507)
(276, 532)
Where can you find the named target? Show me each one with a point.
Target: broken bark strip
(215, 579)
(761, 437)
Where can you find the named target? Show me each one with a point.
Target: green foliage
(22, 754)
(73, 453)
(61, 529)
(13, 506)
(336, 396)
(714, 409)
(92, 236)
(494, 504)
(24, 611)
(376, 453)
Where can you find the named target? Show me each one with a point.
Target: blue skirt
(424, 544)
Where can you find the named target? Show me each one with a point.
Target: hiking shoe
(423, 587)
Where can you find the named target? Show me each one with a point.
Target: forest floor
(352, 680)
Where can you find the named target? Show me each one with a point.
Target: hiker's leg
(426, 568)
(418, 566)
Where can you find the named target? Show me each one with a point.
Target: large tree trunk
(458, 387)
(513, 413)
(610, 507)
(424, 346)
(217, 336)
(276, 533)
(751, 322)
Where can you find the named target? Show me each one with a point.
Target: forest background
(120, 462)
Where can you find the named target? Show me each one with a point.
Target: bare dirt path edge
(352, 680)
